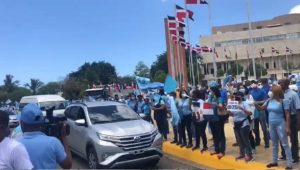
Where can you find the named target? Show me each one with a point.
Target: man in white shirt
(13, 154)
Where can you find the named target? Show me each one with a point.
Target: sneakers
(249, 158)
(240, 157)
(270, 165)
(220, 155)
(204, 149)
(195, 147)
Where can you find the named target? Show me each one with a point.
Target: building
(232, 45)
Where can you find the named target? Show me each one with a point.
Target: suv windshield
(107, 114)
(58, 105)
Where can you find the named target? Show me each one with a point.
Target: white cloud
(295, 10)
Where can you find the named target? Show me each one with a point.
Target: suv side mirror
(80, 122)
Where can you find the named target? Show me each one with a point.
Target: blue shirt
(140, 106)
(146, 109)
(241, 115)
(215, 117)
(275, 109)
(184, 106)
(132, 104)
(258, 94)
(266, 88)
(45, 152)
(294, 101)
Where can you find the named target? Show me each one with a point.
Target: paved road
(165, 163)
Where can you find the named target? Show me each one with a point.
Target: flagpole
(260, 64)
(287, 63)
(171, 52)
(251, 39)
(212, 40)
(189, 40)
(198, 71)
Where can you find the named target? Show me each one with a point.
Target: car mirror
(80, 122)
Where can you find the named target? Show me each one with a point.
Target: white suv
(111, 135)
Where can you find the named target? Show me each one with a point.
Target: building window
(245, 29)
(267, 65)
(225, 66)
(259, 27)
(287, 23)
(274, 64)
(212, 71)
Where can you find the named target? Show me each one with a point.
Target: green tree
(73, 89)
(259, 70)
(142, 70)
(232, 70)
(34, 85)
(50, 88)
(9, 83)
(95, 73)
(160, 76)
(220, 73)
(160, 65)
(18, 93)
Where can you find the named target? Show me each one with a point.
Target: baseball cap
(32, 114)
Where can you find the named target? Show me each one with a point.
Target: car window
(114, 113)
(75, 113)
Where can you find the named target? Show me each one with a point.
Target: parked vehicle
(110, 135)
(13, 121)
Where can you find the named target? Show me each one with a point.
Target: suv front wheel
(92, 158)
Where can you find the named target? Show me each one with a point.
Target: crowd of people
(272, 107)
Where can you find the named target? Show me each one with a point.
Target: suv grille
(136, 142)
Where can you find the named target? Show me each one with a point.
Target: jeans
(186, 125)
(200, 132)
(217, 131)
(252, 140)
(175, 131)
(293, 139)
(262, 121)
(278, 133)
(243, 140)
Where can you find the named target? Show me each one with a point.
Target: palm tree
(9, 84)
(34, 85)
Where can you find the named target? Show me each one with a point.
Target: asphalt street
(165, 163)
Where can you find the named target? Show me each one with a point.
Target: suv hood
(124, 128)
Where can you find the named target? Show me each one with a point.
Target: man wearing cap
(44, 151)
(13, 154)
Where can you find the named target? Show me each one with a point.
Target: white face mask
(254, 85)
(270, 94)
(242, 91)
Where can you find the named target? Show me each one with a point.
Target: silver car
(111, 135)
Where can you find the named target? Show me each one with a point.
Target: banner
(170, 84)
(233, 106)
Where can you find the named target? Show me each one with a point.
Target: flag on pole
(196, 2)
(182, 13)
(225, 51)
(288, 50)
(274, 50)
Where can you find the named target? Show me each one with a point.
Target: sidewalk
(262, 157)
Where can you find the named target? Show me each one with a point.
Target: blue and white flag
(142, 82)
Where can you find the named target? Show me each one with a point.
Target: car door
(79, 132)
(70, 114)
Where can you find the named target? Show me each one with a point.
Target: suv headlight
(107, 137)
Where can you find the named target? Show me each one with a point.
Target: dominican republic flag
(226, 56)
(182, 13)
(196, 2)
(206, 49)
(274, 50)
(207, 109)
(288, 50)
(175, 23)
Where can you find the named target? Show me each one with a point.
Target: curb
(205, 159)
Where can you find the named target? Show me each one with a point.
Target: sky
(48, 39)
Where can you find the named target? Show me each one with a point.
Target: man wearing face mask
(259, 97)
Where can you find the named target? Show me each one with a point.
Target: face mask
(234, 90)
(270, 94)
(242, 91)
(254, 85)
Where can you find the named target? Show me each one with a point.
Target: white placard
(233, 106)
